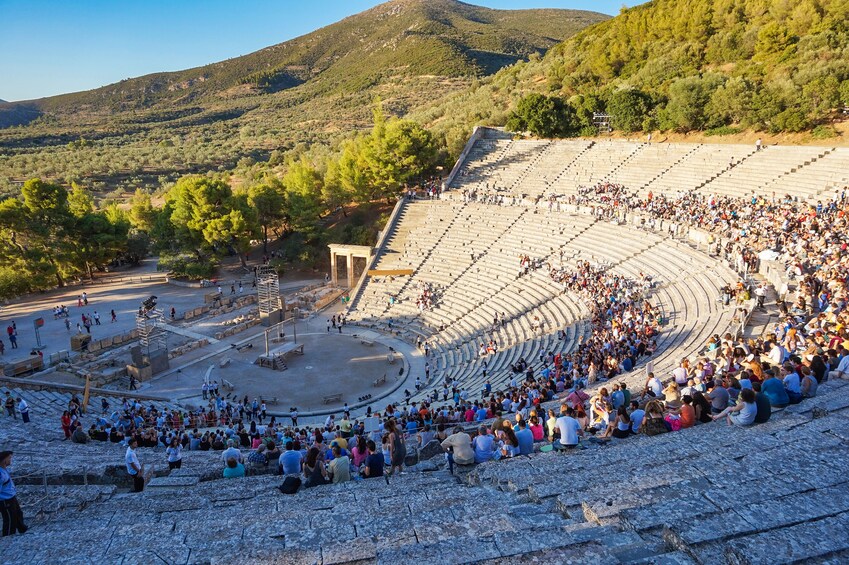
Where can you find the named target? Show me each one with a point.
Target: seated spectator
(743, 414)
(360, 451)
(774, 390)
(507, 440)
(718, 396)
(258, 458)
(525, 438)
(809, 383)
(686, 413)
(459, 449)
(272, 452)
(233, 452)
(792, 383)
(701, 406)
(339, 470)
(620, 427)
(291, 462)
(570, 429)
(551, 424)
(671, 395)
(234, 469)
(763, 404)
(842, 369)
(374, 463)
(314, 469)
(484, 445)
(537, 431)
(637, 416)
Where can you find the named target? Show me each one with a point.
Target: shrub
(823, 132)
(187, 266)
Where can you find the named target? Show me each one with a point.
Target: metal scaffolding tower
(268, 289)
(151, 333)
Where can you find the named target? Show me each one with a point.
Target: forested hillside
(315, 89)
(685, 65)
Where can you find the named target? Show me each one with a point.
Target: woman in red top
(686, 413)
(66, 424)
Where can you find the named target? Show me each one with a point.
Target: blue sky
(50, 47)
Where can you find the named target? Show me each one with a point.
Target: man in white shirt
(776, 355)
(570, 429)
(654, 387)
(231, 451)
(134, 468)
(842, 370)
(680, 373)
(23, 408)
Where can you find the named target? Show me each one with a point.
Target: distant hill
(767, 65)
(401, 38)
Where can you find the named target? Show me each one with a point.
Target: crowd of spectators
(732, 380)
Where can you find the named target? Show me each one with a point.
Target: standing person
(2, 347)
(10, 406)
(397, 447)
(23, 408)
(294, 415)
(66, 424)
(240, 287)
(175, 454)
(13, 336)
(173, 313)
(133, 383)
(205, 389)
(232, 289)
(96, 317)
(68, 324)
(85, 299)
(134, 468)
(113, 315)
(13, 518)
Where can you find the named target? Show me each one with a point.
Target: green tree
(194, 202)
(142, 212)
(688, 100)
(628, 109)
(269, 202)
(47, 220)
(98, 241)
(543, 116)
(303, 195)
(80, 201)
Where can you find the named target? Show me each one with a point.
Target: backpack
(654, 426)
(290, 485)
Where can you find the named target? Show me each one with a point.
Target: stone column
(334, 277)
(350, 258)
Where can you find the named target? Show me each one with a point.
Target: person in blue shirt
(483, 443)
(412, 427)
(10, 509)
(775, 391)
(480, 415)
(526, 439)
(291, 462)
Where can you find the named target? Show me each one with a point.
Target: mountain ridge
(405, 37)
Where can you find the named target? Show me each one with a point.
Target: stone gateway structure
(350, 252)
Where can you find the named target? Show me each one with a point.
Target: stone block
(185, 481)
